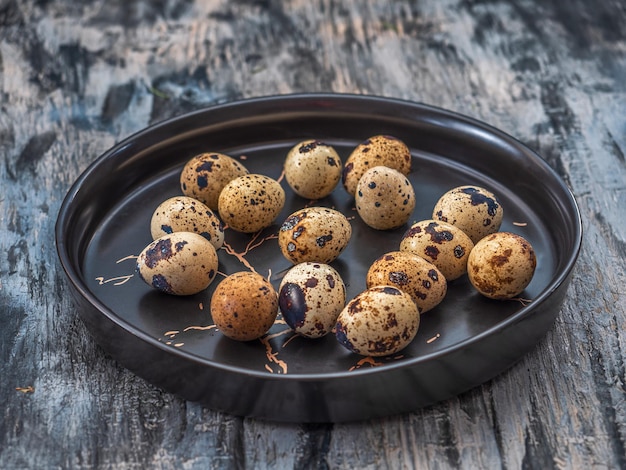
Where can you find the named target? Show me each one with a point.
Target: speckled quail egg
(186, 214)
(377, 322)
(442, 244)
(313, 169)
(204, 176)
(310, 297)
(412, 274)
(316, 234)
(384, 198)
(251, 202)
(180, 263)
(380, 150)
(501, 265)
(473, 209)
(244, 306)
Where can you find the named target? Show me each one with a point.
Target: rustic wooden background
(77, 76)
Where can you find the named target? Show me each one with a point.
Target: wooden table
(77, 77)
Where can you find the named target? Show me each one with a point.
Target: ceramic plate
(171, 341)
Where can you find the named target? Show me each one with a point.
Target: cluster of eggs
(462, 237)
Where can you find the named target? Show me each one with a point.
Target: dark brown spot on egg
(160, 251)
(311, 282)
(431, 251)
(459, 251)
(331, 281)
(438, 236)
(321, 241)
(399, 278)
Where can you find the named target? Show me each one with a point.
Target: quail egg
(412, 274)
(310, 297)
(473, 209)
(180, 263)
(186, 214)
(444, 245)
(377, 322)
(380, 150)
(251, 202)
(313, 169)
(244, 306)
(316, 234)
(501, 265)
(204, 176)
(384, 198)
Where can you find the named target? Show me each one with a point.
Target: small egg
(501, 265)
(204, 176)
(384, 198)
(317, 234)
(244, 306)
(313, 169)
(380, 150)
(251, 202)
(181, 263)
(379, 321)
(442, 244)
(473, 209)
(412, 274)
(186, 214)
(310, 297)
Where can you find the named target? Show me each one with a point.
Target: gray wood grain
(77, 76)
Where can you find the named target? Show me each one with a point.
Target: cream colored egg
(379, 321)
(180, 263)
(313, 169)
(244, 306)
(310, 297)
(186, 214)
(205, 175)
(501, 265)
(473, 209)
(442, 244)
(379, 150)
(316, 234)
(251, 202)
(384, 198)
(412, 274)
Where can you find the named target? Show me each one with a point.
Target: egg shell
(251, 202)
(412, 274)
(180, 263)
(384, 198)
(379, 150)
(442, 244)
(379, 321)
(317, 234)
(501, 265)
(186, 214)
(244, 306)
(204, 176)
(310, 297)
(473, 209)
(313, 169)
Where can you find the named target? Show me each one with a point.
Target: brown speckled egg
(380, 150)
(181, 263)
(186, 214)
(379, 321)
(317, 234)
(384, 198)
(442, 244)
(205, 175)
(412, 274)
(310, 297)
(251, 202)
(313, 169)
(473, 209)
(501, 265)
(244, 306)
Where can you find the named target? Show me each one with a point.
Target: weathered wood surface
(78, 76)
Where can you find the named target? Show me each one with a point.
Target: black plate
(169, 340)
